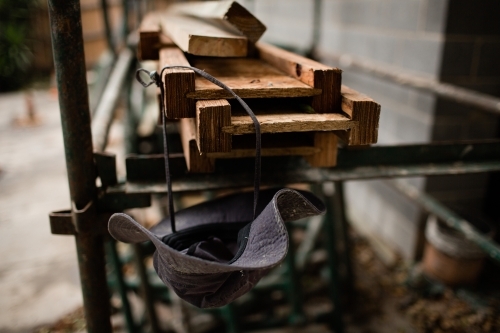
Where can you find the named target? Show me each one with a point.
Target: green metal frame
(145, 173)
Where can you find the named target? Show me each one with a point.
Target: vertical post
(296, 316)
(145, 289)
(418, 250)
(120, 284)
(313, 49)
(230, 318)
(331, 246)
(69, 60)
(107, 26)
(341, 221)
(125, 24)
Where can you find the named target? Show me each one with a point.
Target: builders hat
(218, 252)
(214, 252)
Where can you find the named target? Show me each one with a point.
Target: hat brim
(267, 241)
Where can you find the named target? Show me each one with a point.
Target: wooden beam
(249, 78)
(150, 38)
(273, 144)
(198, 37)
(291, 122)
(227, 14)
(279, 151)
(196, 162)
(211, 117)
(318, 148)
(310, 72)
(326, 143)
(177, 83)
(365, 112)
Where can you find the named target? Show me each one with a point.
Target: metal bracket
(93, 218)
(106, 168)
(81, 218)
(115, 199)
(62, 222)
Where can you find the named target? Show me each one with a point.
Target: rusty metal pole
(67, 46)
(449, 91)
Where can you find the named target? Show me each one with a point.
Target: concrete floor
(39, 280)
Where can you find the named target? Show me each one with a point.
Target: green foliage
(15, 55)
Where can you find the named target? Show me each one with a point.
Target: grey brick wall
(470, 59)
(289, 22)
(405, 34)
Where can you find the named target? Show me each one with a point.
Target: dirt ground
(402, 298)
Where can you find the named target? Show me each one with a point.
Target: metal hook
(152, 75)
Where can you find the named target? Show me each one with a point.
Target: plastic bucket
(449, 257)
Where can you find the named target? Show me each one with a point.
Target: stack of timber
(301, 104)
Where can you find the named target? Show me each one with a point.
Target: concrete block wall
(470, 59)
(472, 47)
(403, 33)
(289, 22)
(421, 37)
(400, 33)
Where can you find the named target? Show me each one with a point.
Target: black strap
(156, 78)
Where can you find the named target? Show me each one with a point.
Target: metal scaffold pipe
(449, 91)
(105, 110)
(69, 60)
(454, 221)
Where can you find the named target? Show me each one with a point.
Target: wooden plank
(310, 72)
(196, 162)
(365, 112)
(272, 144)
(177, 83)
(150, 38)
(326, 142)
(279, 151)
(291, 122)
(345, 136)
(211, 117)
(227, 14)
(154, 50)
(151, 167)
(249, 78)
(198, 37)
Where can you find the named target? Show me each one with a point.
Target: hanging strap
(156, 78)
